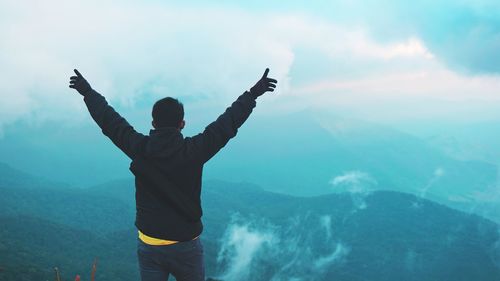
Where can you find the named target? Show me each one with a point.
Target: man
(168, 174)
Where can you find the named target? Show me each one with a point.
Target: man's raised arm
(218, 133)
(112, 124)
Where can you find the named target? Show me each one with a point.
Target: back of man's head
(168, 112)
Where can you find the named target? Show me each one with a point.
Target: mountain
(304, 151)
(391, 236)
(254, 234)
(476, 141)
(12, 177)
(31, 247)
(27, 195)
(306, 155)
(300, 153)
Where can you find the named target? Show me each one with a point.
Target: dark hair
(168, 112)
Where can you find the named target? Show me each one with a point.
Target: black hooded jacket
(168, 166)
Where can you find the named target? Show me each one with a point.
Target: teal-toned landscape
(421, 213)
(376, 159)
(251, 234)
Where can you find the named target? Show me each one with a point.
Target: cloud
(256, 249)
(129, 51)
(136, 52)
(451, 74)
(355, 180)
(240, 247)
(358, 184)
(468, 36)
(326, 222)
(462, 34)
(438, 173)
(340, 252)
(394, 92)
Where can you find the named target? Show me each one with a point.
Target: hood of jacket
(163, 142)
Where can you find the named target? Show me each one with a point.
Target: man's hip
(184, 260)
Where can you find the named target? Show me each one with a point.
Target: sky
(385, 61)
(361, 69)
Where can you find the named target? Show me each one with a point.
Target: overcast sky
(384, 61)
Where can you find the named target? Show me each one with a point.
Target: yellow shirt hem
(155, 241)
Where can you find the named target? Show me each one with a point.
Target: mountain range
(300, 153)
(250, 234)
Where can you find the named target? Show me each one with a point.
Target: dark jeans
(184, 260)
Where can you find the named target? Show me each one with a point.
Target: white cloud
(125, 49)
(438, 173)
(132, 51)
(240, 247)
(355, 179)
(326, 222)
(427, 92)
(250, 248)
(340, 252)
(358, 184)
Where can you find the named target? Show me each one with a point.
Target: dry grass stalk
(77, 278)
(94, 268)
(58, 277)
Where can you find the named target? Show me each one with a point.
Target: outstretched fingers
(270, 86)
(75, 79)
(79, 83)
(77, 73)
(265, 73)
(270, 82)
(72, 83)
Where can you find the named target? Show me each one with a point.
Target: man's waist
(157, 241)
(169, 228)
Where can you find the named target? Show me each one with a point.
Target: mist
(254, 249)
(385, 113)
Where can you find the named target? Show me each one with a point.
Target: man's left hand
(265, 84)
(79, 83)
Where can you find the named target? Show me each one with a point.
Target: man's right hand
(79, 83)
(265, 84)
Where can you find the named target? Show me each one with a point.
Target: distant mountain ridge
(309, 152)
(26, 195)
(303, 153)
(31, 247)
(12, 177)
(382, 235)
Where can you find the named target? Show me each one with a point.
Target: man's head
(168, 112)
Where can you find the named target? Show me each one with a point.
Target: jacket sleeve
(218, 133)
(114, 126)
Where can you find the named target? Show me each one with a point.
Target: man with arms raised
(168, 174)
